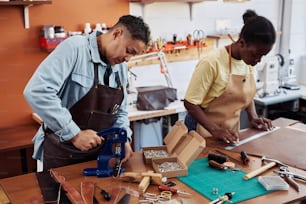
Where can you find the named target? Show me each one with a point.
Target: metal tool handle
(287, 173)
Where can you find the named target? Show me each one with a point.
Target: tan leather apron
(225, 110)
(94, 111)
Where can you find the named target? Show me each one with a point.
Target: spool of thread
(217, 157)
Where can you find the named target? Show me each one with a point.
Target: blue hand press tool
(114, 147)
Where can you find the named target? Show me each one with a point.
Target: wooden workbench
(25, 187)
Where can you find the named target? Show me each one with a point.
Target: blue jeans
(190, 122)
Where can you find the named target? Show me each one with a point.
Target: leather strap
(87, 191)
(50, 189)
(73, 195)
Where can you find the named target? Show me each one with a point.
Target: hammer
(272, 163)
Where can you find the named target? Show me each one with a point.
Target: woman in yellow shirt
(223, 84)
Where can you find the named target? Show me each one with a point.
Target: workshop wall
(20, 53)
(168, 18)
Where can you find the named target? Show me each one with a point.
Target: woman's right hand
(225, 135)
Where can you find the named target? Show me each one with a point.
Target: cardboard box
(190, 149)
(173, 140)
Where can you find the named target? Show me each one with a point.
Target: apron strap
(117, 78)
(230, 58)
(107, 73)
(96, 77)
(106, 76)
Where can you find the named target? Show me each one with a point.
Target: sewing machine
(114, 147)
(268, 76)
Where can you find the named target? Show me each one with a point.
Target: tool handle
(144, 184)
(167, 188)
(244, 157)
(259, 171)
(216, 165)
(292, 183)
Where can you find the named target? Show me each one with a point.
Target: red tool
(173, 190)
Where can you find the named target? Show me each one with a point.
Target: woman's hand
(262, 123)
(226, 135)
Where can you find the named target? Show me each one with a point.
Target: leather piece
(49, 188)
(284, 144)
(125, 199)
(87, 191)
(73, 195)
(155, 97)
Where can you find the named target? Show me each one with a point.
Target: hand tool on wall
(162, 61)
(290, 177)
(198, 35)
(114, 147)
(144, 179)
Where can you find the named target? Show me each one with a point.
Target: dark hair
(138, 29)
(257, 29)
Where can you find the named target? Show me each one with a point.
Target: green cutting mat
(203, 179)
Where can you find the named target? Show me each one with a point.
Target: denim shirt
(62, 79)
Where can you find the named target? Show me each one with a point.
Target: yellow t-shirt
(211, 75)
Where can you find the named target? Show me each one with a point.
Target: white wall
(168, 18)
(298, 38)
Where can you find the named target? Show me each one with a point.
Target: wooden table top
(25, 187)
(13, 138)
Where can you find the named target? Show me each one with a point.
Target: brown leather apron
(225, 110)
(96, 111)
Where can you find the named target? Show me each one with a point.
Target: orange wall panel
(20, 53)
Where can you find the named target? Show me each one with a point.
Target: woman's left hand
(262, 123)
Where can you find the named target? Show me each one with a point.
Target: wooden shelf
(23, 3)
(153, 1)
(26, 5)
(190, 3)
(179, 53)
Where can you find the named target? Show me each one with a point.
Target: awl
(173, 190)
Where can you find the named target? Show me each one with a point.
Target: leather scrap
(73, 195)
(3, 197)
(87, 191)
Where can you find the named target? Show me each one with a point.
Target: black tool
(106, 195)
(244, 157)
(170, 184)
(217, 157)
(230, 157)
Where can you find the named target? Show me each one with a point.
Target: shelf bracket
(190, 10)
(26, 16)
